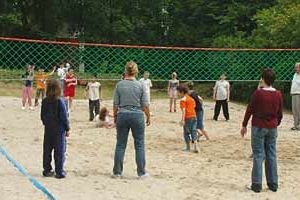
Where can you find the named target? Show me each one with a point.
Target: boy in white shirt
(61, 73)
(221, 96)
(93, 90)
(147, 82)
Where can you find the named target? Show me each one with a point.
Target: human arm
(228, 91)
(150, 84)
(52, 72)
(116, 103)
(215, 91)
(63, 116)
(43, 111)
(279, 114)
(248, 114)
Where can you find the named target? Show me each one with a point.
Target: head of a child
(53, 90)
(268, 77)
(297, 68)
(146, 75)
(174, 75)
(131, 69)
(182, 90)
(70, 71)
(222, 77)
(62, 65)
(190, 85)
(41, 71)
(94, 78)
(103, 113)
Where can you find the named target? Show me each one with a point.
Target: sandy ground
(220, 171)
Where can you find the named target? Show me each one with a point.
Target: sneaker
(61, 176)
(116, 176)
(273, 186)
(294, 129)
(23, 108)
(146, 175)
(31, 108)
(48, 173)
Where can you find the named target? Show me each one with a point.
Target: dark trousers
(94, 107)
(54, 140)
(224, 105)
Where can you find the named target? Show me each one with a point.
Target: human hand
(182, 123)
(243, 131)
(67, 133)
(148, 122)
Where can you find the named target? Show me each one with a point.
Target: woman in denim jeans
(130, 103)
(266, 110)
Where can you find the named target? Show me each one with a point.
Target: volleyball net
(108, 61)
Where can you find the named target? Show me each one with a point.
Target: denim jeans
(263, 142)
(190, 130)
(134, 121)
(200, 124)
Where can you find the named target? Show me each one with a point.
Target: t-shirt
(61, 73)
(189, 105)
(93, 91)
(28, 76)
(195, 96)
(221, 88)
(295, 88)
(147, 83)
(173, 84)
(41, 80)
(130, 94)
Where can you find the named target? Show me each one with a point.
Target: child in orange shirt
(40, 81)
(188, 121)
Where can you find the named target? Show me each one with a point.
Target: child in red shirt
(188, 120)
(70, 84)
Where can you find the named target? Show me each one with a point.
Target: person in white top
(93, 90)
(61, 73)
(147, 82)
(221, 96)
(295, 92)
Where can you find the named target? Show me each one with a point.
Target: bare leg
(175, 106)
(204, 132)
(170, 104)
(70, 103)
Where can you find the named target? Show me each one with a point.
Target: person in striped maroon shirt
(265, 108)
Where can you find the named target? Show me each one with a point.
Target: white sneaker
(31, 108)
(146, 175)
(23, 108)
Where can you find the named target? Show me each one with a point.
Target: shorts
(173, 93)
(200, 124)
(69, 92)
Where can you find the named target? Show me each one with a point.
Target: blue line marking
(23, 171)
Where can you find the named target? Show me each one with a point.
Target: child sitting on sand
(103, 119)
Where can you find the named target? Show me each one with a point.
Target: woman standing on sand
(130, 103)
(266, 110)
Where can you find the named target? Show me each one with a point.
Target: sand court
(221, 170)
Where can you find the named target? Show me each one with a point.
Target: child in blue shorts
(199, 111)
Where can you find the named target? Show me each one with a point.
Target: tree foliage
(198, 23)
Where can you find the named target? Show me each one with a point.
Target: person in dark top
(265, 108)
(27, 88)
(199, 110)
(55, 120)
